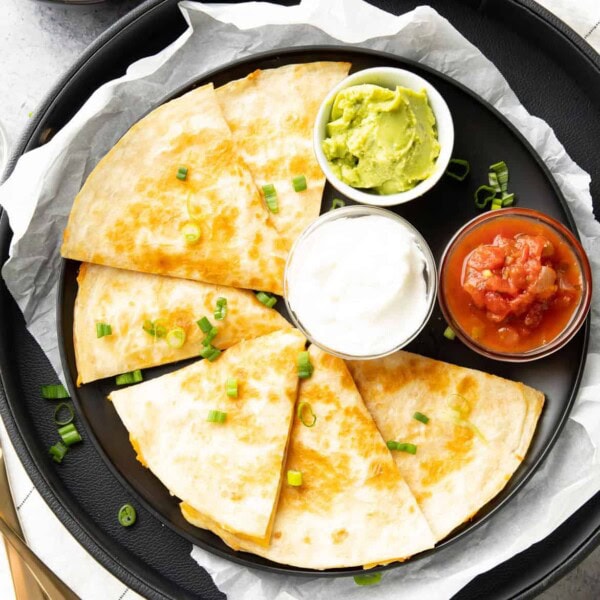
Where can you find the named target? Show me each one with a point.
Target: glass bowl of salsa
(515, 284)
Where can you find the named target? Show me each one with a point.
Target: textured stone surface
(43, 40)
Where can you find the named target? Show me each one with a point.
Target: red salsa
(512, 284)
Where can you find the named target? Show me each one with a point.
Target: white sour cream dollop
(357, 284)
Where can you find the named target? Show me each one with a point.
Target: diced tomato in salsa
(513, 289)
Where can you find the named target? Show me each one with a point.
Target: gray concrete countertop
(42, 40)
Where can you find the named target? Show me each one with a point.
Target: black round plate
(483, 136)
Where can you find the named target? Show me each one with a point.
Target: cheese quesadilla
(271, 115)
(128, 301)
(229, 469)
(174, 197)
(478, 430)
(352, 507)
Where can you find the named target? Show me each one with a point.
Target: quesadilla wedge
(153, 319)
(271, 114)
(353, 507)
(471, 430)
(174, 197)
(229, 468)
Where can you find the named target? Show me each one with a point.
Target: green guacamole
(381, 140)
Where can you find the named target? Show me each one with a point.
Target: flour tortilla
(353, 507)
(479, 430)
(126, 300)
(132, 210)
(271, 114)
(230, 472)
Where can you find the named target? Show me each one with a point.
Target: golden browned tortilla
(479, 429)
(271, 114)
(134, 213)
(127, 300)
(230, 472)
(353, 507)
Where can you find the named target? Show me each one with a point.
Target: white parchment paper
(39, 194)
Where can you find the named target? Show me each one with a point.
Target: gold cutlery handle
(52, 585)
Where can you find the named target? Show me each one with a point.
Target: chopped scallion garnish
(182, 173)
(221, 309)
(216, 416)
(449, 333)
(191, 232)
(484, 194)
(271, 197)
(305, 414)
(154, 328)
(204, 324)
(210, 353)
(210, 336)
(401, 447)
(299, 183)
(421, 417)
(305, 367)
(176, 337)
(61, 408)
(231, 387)
(294, 478)
(458, 168)
(337, 203)
(58, 451)
(129, 378)
(69, 434)
(103, 329)
(368, 578)
(508, 200)
(496, 204)
(127, 515)
(266, 299)
(54, 392)
(496, 192)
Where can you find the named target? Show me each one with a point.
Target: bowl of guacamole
(383, 136)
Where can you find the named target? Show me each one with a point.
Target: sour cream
(360, 282)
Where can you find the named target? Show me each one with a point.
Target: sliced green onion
(421, 417)
(58, 451)
(216, 416)
(500, 172)
(308, 420)
(127, 515)
(484, 194)
(221, 309)
(368, 578)
(458, 169)
(337, 203)
(401, 447)
(294, 478)
(191, 232)
(210, 353)
(176, 337)
(103, 329)
(69, 434)
(231, 387)
(60, 407)
(129, 378)
(271, 197)
(496, 204)
(266, 299)
(493, 181)
(305, 367)
(449, 333)
(299, 183)
(210, 336)
(154, 328)
(508, 200)
(182, 173)
(54, 392)
(204, 324)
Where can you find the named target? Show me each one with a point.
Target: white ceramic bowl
(388, 77)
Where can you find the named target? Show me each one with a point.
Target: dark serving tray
(84, 492)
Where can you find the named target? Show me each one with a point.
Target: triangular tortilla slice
(126, 300)
(479, 429)
(229, 471)
(353, 507)
(134, 213)
(271, 114)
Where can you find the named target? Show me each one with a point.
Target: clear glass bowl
(579, 314)
(429, 275)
